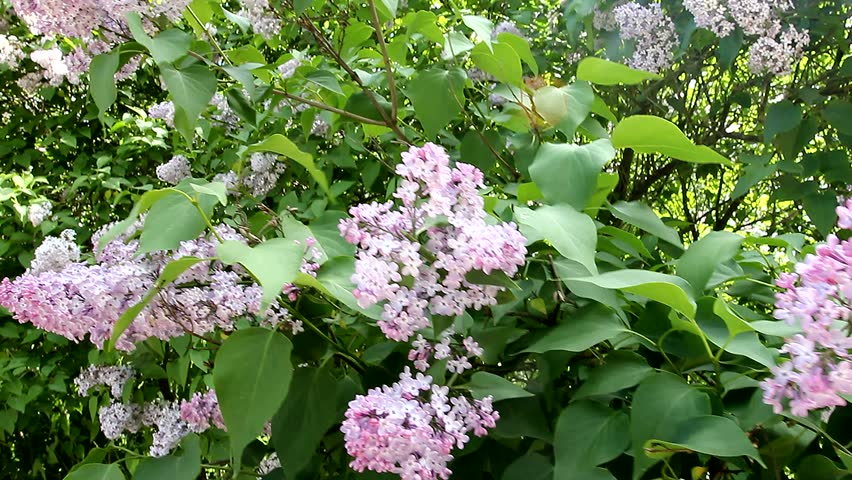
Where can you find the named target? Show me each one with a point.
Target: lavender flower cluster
(171, 420)
(816, 298)
(62, 295)
(777, 47)
(652, 30)
(259, 178)
(411, 427)
(457, 353)
(96, 24)
(415, 257)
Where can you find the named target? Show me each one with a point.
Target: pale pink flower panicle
(435, 236)
(816, 298)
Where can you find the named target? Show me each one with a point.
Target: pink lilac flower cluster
(76, 300)
(82, 18)
(96, 25)
(817, 299)
(415, 257)
(202, 411)
(457, 356)
(411, 427)
(776, 49)
(652, 30)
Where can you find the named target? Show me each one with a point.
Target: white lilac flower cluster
(11, 51)
(171, 421)
(288, 68)
(411, 427)
(259, 178)
(652, 30)
(507, 26)
(113, 377)
(164, 111)
(61, 295)
(414, 258)
(39, 212)
(777, 47)
(261, 17)
(175, 170)
(55, 254)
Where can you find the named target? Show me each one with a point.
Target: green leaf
(96, 471)
(522, 48)
(716, 436)
(424, 23)
(214, 189)
(481, 26)
(781, 117)
(702, 258)
(838, 112)
(324, 230)
(666, 289)
(588, 434)
(251, 374)
(141, 206)
(483, 384)
(730, 333)
(497, 278)
(819, 467)
(335, 276)
(192, 88)
(173, 219)
(282, 145)
(184, 467)
(437, 97)
(649, 134)
(604, 72)
(500, 60)
(102, 80)
(170, 273)
(310, 409)
(821, 209)
(325, 79)
(752, 175)
(622, 369)
(571, 233)
(532, 466)
(580, 331)
(565, 108)
(640, 215)
(660, 403)
(273, 263)
(556, 165)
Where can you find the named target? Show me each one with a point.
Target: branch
(381, 39)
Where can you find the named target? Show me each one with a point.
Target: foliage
(594, 263)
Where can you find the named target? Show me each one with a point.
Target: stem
(209, 35)
(384, 49)
(329, 108)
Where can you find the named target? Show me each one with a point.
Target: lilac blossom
(411, 427)
(78, 300)
(174, 170)
(202, 412)
(114, 377)
(818, 370)
(434, 238)
(652, 30)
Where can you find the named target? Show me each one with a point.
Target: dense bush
(303, 239)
